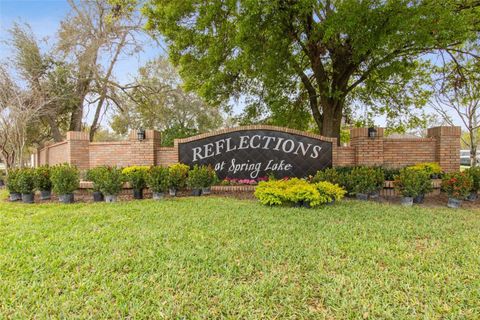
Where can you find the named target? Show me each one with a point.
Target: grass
(223, 258)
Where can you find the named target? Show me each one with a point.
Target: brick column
(145, 151)
(447, 147)
(368, 151)
(78, 148)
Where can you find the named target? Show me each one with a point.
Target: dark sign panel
(254, 154)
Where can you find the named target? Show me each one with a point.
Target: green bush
(390, 173)
(158, 179)
(412, 183)
(65, 179)
(331, 175)
(12, 180)
(42, 178)
(94, 175)
(457, 184)
(366, 180)
(433, 169)
(201, 177)
(26, 180)
(332, 191)
(136, 176)
(474, 173)
(177, 176)
(112, 180)
(338, 175)
(297, 191)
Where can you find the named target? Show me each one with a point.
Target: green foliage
(331, 175)
(26, 180)
(201, 177)
(65, 179)
(12, 180)
(42, 178)
(177, 175)
(160, 102)
(136, 176)
(330, 190)
(474, 173)
(297, 191)
(457, 184)
(112, 180)
(95, 176)
(324, 54)
(390, 173)
(158, 179)
(412, 183)
(366, 179)
(431, 168)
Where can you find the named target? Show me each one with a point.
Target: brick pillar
(78, 149)
(368, 151)
(447, 147)
(145, 151)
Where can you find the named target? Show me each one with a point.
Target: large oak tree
(325, 49)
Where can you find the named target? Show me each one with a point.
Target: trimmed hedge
(297, 192)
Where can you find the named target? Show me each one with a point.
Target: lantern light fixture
(141, 134)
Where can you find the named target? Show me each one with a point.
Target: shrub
(196, 177)
(42, 178)
(294, 191)
(390, 173)
(457, 184)
(332, 191)
(65, 179)
(210, 177)
(366, 180)
(433, 169)
(474, 173)
(26, 180)
(112, 180)
(201, 177)
(95, 176)
(12, 180)
(412, 183)
(177, 176)
(136, 176)
(339, 176)
(158, 179)
(331, 175)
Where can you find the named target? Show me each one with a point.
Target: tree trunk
(56, 134)
(473, 149)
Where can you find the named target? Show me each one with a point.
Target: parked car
(465, 157)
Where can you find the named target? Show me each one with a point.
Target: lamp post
(372, 133)
(141, 134)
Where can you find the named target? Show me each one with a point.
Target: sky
(44, 17)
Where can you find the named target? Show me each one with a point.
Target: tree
(325, 49)
(156, 100)
(19, 108)
(457, 92)
(95, 32)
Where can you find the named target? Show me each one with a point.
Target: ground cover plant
(215, 257)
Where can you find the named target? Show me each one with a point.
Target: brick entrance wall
(442, 145)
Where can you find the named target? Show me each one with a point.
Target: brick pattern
(442, 145)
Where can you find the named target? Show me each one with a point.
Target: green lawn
(223, 258)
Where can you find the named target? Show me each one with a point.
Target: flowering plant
(236, 182)
(457, 184)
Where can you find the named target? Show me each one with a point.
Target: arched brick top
(255, 127)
